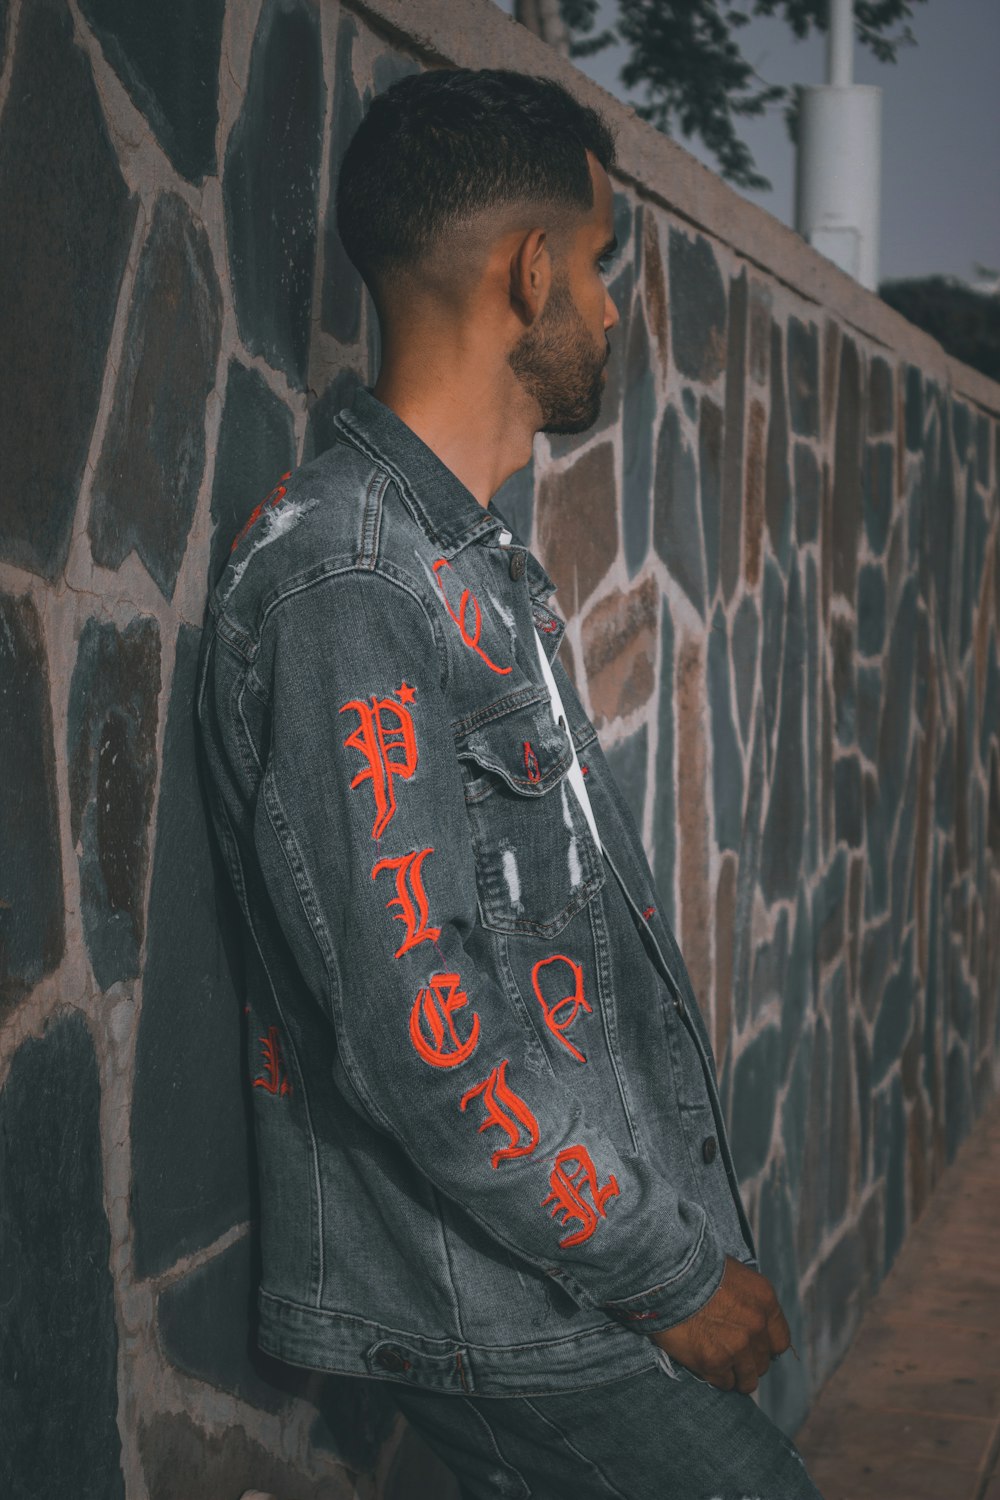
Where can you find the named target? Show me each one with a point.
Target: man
(493, 1163)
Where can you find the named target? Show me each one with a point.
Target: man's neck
(479, 428)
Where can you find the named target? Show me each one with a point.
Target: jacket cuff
(679, 1297)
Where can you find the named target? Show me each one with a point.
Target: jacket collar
(437, 499)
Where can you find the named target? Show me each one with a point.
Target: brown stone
(693, 816)
(656, 296)
(982, 631)
(725, 917)
(619, 651)
(577, 527)
(754, 509)
(826, 546)
(180, 1459)
(760, 331)
(855, 892)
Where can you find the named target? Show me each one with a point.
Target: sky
(940, 130)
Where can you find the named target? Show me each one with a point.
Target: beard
(559, 364)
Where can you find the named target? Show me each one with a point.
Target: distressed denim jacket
(491, 1152)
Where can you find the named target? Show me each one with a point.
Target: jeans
(645, 1437)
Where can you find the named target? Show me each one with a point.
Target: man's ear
(530, 275)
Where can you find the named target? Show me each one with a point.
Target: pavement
(913, 1410)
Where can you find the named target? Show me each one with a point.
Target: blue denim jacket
(491, 1152)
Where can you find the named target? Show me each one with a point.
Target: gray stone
(895, 1016)
(973, 558)
(168, 58)
(895, 732)
(813, 1192)
(190, 1171)
(846, 500)
(863, 1093)
(710, 473)
(270, 188)
(815, 685)
(149, 472)
(876, 955)
(961, 1002)
(902, 857)
(869, 706)
(877, 886)
(803, 377)
(727, 764)
(795, 1110)
(256, 449)
(31, 887)
(321, 433)
(807, 494)
(829, 907)
(627, 761)
(676, 521)
(798, 991)
(665, 803)
(697, 307)
(842, 652)
(991, 702)
(881, 407)
(638, 418)
(983, 449)
(773, 606)
(961, 428)
(939, 476)
(756, 1075)
(841, 1093)
(879, 478)
(111, 748)
(777, 484)
(890, 1162)
(913, 409)
(769, 970)
(848, 800)
(746, 632)
(781, 854)
(689, 401)
(58, 1375)
(623, 295)
(732, 464)
(871, 610)
(206, 1325)
(746, 877)
(944, 784)
(64, 249)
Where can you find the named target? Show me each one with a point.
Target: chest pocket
(536, 861)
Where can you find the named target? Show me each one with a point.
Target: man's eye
(605, 263)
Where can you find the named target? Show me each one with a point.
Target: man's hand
(731, 1341)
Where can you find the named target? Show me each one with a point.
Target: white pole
(840, 44)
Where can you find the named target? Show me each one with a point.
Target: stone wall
(779, 555)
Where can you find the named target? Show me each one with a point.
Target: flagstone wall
(779, 556)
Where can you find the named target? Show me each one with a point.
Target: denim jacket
(491, 1152)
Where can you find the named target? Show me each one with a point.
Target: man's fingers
(778, 1332)
(745, 1370)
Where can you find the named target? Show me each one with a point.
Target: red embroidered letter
(410, 897)
(274, 1078)
(504, 1108)
(274, 498)
(433, 1011)
(377, 737)
(571, 1167)
(560, 1016)
(531, 762)
(470, 637)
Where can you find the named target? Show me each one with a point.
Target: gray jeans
(646, 1437)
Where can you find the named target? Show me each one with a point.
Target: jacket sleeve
(363, 839)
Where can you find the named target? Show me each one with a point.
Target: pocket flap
(524, 747)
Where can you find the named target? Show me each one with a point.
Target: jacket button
(517, 565)
(391, 1359)
(708, 1148)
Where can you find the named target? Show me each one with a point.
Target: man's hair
(439, 147)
